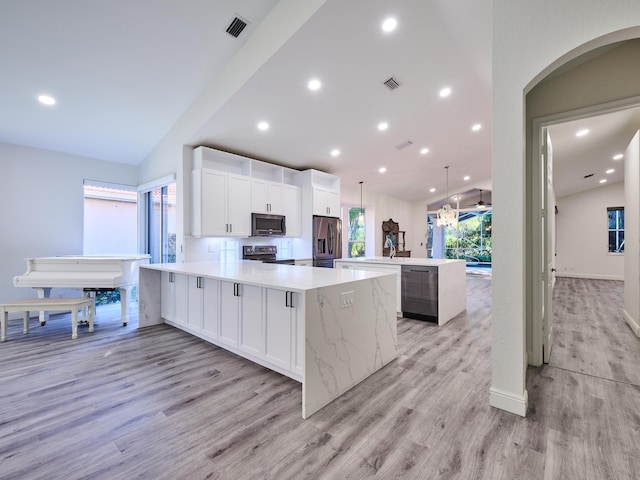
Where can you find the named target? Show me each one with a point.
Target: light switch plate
(347, 299)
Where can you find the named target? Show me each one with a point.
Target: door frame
(537, 182)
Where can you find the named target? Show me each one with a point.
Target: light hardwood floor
(157, 403)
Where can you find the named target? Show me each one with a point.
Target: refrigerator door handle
(330, 237)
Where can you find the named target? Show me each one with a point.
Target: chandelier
(447, 216)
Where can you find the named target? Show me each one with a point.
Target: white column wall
(530, 39)
(632, 234)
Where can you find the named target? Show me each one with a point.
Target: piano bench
(46, 304)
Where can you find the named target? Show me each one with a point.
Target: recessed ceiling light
(389, 25)
(47, 100)
(611, 170)
(445, 92)
(467, 178)
(382, 169)
(335, 152)
(314, 84)
(263, 126)
(383, 126)
(618, 156)
(424, 151)
(582, 133)
(432, 190)
(476, 127)
(604, 180)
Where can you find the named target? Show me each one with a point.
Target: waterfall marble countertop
(273, 275)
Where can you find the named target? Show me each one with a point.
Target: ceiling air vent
(588, 175)
(391, 83)
(404, 145)
(236, 27)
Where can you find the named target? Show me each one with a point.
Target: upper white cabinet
(291, 210)
(266, 196)
(326, 202)
(221, 204)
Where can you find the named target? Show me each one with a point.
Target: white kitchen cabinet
(241, 324)
(267, 197)
(284, 327)
(173, 297)
(202, 295)
(305, 262)
(291, 210)
(229, 332)
(220, 204)
(251, 320)
(326, 202)
(210, 307)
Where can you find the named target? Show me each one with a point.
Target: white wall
(632, 234)
(530, 39)
(582, 234)
(42, 197)
(378, 208)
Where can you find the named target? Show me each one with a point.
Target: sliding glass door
(159, 222)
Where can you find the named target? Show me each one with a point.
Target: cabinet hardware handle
(230, 227)
(171, 277)
(286, 299)
(290, 299)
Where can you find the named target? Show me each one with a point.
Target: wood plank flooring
(157, 403)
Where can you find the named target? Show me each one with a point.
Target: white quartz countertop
(427, 262)
(289, 277)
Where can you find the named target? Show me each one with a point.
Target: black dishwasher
(420, 292)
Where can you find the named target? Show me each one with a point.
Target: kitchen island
(328, 329)
(451, 280)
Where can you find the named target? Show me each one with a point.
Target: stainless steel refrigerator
(327, 240)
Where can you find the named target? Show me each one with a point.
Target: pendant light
(361, 214)
(447, 216)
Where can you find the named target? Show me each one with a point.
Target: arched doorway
(529, 44)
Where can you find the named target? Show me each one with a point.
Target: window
(356, 232)
(616, 229)
(110, 219)
(158, 215)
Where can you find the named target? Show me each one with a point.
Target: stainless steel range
(265, 254)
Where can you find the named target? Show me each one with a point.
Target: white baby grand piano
(87, 273)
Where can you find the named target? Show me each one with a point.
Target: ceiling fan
(481, 205)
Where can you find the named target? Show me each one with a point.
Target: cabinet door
(239, 206)
(213, 200)
(180, 312)
(210, 307)
(278, 328)
(275, 197)
(229, 314)
(194, 304)
(333, 204)
(251, 323)
(259, 196)
(167, 295)
(320, 202)
(291, 210)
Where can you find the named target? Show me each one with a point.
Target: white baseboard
(590, 276)
(509, 401)
(631, 322)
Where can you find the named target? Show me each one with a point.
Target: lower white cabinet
(229, 314)
(284, 339)
(173, 297)
(251, 321)
(202, 305)
(263, 324)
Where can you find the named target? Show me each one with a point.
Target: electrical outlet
(347, 299)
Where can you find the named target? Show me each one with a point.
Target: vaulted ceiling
(123, 72)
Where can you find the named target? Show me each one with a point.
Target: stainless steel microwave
(267, 224)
